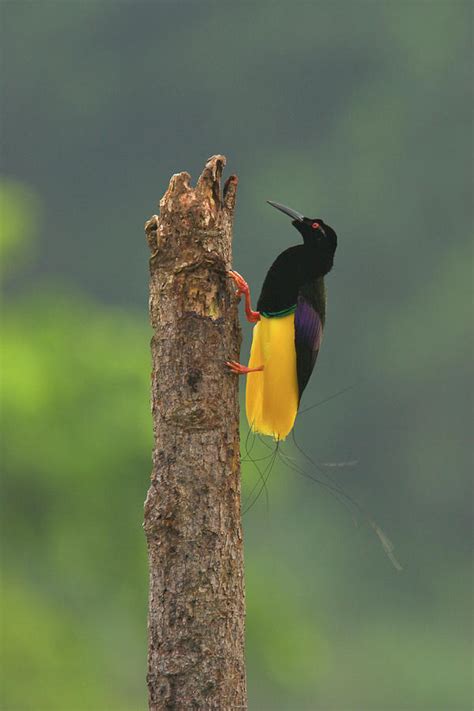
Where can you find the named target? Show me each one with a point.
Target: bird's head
(316, 234)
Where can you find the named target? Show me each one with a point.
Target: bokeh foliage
(357, 112)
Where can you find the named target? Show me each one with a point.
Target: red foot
(243, 288)
(241, 369)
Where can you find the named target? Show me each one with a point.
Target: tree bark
(192, 509)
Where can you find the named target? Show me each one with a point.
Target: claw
(239, 369)
(242, 286)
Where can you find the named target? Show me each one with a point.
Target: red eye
(315, 225)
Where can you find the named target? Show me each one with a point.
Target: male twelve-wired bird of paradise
(289, 324)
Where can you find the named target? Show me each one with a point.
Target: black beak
(287, 210)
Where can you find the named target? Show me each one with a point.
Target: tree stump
(192, 510)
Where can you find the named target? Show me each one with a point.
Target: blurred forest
(357, 112)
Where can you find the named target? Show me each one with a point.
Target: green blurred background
(357, 112)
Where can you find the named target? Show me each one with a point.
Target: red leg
(243, 288)
(241, 369)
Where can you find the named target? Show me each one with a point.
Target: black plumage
(295, 281)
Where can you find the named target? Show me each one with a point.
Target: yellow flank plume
(272, 394)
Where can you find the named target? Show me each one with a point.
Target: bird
(288, 326)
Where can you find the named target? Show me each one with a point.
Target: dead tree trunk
(192, 510)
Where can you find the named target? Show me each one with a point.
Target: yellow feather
(272, 394)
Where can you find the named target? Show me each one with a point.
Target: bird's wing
(308, 337)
